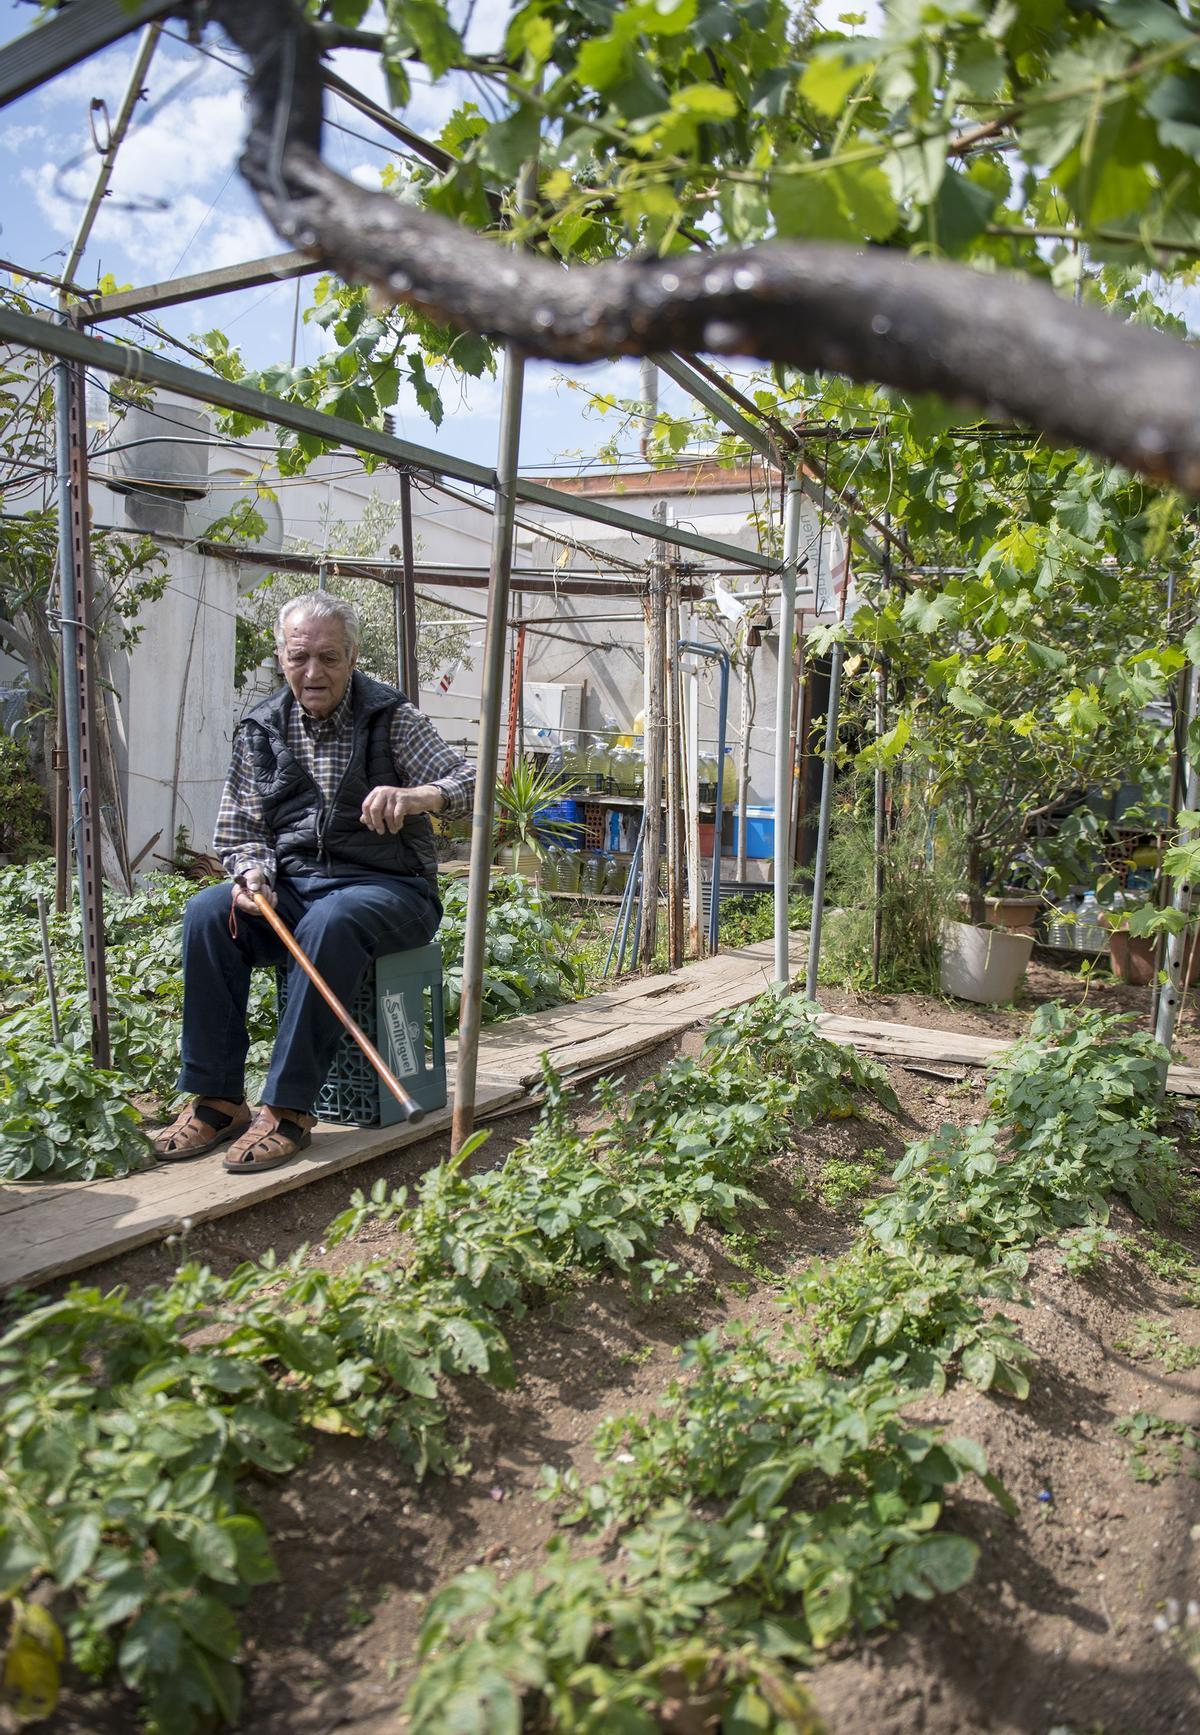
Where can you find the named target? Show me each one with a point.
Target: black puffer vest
(313, 838)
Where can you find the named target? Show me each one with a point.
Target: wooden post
(655, 613)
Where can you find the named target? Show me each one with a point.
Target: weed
(1155, 1340)
(842, 1181)
(1157, 1446)
(1162, 1257)
(1085, 1251)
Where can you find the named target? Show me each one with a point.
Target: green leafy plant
(1086, 1251)
(1157, 1446)
(843, 1180)
(522, 797)
(63, 1118)
(1156, 1340)
(23, 817)
(529, 952)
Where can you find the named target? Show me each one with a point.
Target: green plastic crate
(399, 1006)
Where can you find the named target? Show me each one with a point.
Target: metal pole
(133, 93)
(783, 715)
(48, 962)
(656, 619)
(880, 817)
(1179, 945)
(406, 599)
(491, 699)
(674, 830)
(75, 591)
(827, 775)
(721, 657)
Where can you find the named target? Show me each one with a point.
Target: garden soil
(1082, 1617)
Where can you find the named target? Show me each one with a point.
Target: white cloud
(16, 138)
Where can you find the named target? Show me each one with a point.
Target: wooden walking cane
(412, 1109)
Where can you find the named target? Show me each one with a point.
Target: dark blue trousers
(343, 925)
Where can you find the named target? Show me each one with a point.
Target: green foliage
(843, 1180)
(23, 817)
(918, 895)
(1086, 1251)
(521, 796)
(1155, 1340)
(1070, 1096)
(126, 1448)
(1157, 1446)
(747, 920)
(529, 953)
(917, 1314)
(61, 1117)
(778, 1031)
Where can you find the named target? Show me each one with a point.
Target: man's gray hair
(320, 605)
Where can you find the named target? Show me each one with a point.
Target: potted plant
(1022, 695)
(531, 811)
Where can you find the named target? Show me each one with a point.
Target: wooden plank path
(48, 1231)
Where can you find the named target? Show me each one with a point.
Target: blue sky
(178, 205)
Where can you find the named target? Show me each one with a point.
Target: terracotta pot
(1133, 958)
(1018, 912)
(986, 965)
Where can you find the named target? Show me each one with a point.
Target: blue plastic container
(760, 833)
(563, 810)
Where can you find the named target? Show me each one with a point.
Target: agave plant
(522, 797)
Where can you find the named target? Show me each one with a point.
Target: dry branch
(1010, 346)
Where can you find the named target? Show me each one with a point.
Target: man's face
(316, 664)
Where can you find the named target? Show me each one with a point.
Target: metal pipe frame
(71, 35)
(132, 362)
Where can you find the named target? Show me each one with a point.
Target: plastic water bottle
(1089, 931)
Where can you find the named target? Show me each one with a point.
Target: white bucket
(983, 964)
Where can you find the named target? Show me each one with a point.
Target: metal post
(783, 717)
(827, 775)
(1179, 945)
(406, 598)
(721, 657)
(133, 93)
(491, 699)
(674, 837)
(881, 674)
(880, 824)
(75, 588)
(48, 965)
(656, 614)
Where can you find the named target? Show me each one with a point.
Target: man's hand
(386, 808)
(246, 884)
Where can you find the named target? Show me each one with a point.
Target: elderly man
(325, 812)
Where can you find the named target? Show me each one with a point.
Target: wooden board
(50, 1231)
(56, 1230)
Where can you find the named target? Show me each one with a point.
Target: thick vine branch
(1003, 343)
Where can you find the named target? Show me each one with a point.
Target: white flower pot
(983, 964)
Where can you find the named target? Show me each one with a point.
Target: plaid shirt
(323, 746)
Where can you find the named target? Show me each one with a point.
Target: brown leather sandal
(268, 1143)
(198, 1130)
